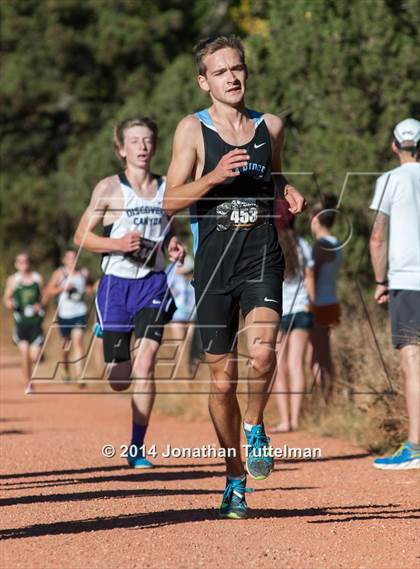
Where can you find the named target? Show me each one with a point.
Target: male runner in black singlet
(230, 151)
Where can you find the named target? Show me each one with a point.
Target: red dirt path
(66, 506)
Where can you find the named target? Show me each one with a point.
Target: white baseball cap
(407, 130)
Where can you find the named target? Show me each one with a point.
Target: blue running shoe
(259, 462)
(139, 461)
(234, 506)
(404, 458)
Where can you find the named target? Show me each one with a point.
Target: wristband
(382, 283)
(280, 184)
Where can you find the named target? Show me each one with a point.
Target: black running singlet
(235, 240)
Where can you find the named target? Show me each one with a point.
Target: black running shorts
(148, 323)
(218, 314)
(31, 333)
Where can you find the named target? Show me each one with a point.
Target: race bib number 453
(236, 214)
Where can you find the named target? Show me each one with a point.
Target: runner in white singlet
(70, 284)
(133, 295)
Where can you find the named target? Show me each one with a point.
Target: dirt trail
(66, 506)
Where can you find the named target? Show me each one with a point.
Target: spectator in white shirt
(395, 255)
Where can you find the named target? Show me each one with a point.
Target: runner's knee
(222, 387)
(142, 367)
(262, 360)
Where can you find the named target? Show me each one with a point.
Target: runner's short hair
(123, 125)
(212, 44)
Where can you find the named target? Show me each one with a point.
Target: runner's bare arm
(296, 201)
(53, 287)
(39, 305)
(179, 193)
(89, 282)
(8, 292)
(41, 284)
(94, 213)
(276, 130)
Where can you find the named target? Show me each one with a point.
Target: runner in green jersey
(23, 295)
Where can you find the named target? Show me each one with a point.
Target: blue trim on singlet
(204, 117)
(194, 226)
(258, 117)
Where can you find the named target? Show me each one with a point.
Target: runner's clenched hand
(176, 250)
(228, 165)
(130, 242)
(295, 200)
